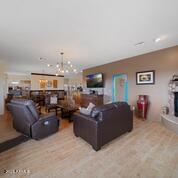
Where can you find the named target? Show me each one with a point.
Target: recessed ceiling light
(49, 65)
(156, 40)
(68, 62)
(57, 65)
(140, 44)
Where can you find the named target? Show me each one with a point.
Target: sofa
(28, 121)
(104, 123)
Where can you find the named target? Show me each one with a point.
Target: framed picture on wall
(145, 77)
(49, 84)
(42, 84)
(54, 83)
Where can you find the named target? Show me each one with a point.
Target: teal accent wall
(114, 77)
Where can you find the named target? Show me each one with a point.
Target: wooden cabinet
(91, 98)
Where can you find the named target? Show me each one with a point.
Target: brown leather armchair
(104, 124)
(27, 120)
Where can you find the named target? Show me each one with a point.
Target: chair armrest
(88, 128)
(45, 126)
(83, 116)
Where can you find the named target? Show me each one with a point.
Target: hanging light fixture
(64, 67)
(61, 67)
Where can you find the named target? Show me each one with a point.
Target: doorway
(120, 87)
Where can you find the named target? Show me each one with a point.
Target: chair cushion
(30, 105)
(96, 110)
(22, 101)
(105, 107)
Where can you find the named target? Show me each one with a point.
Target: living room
(89, 89)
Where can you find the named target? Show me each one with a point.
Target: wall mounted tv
(94, 80)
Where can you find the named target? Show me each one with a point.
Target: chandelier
(64, 67)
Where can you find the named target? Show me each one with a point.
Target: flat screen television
(94, 80)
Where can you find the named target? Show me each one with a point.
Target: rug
(13, 142)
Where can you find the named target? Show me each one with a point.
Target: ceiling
(90, 32)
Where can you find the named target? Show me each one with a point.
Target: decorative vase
(142, 105)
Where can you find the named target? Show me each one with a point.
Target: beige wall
(2, 87)
(74, 80)
(164, 62)
(15, 78)
(35, 82)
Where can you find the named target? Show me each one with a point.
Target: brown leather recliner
(27, 120)
(105, 123)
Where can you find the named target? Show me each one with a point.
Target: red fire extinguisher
(142, 105)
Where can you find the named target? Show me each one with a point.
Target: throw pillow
(90, 106)
(53, 100)
(85, 111)
(94, 113)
